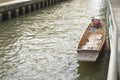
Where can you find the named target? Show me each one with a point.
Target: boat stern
(87, 55)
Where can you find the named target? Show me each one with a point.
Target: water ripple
(42, 45)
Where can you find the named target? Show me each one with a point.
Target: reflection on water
(94, 70)
(42, 44)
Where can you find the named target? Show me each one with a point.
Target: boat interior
(92, 39)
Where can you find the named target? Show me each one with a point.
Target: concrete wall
(13, 9)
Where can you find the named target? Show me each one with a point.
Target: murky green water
(42, 45)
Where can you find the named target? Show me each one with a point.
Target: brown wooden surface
(88, 49)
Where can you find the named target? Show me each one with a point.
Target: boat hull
(91, 44)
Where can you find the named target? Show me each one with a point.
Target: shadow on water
(94, 70)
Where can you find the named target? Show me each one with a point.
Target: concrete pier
(15, 8)
(9, 14)
(17, 12)
(0, 17)
(34, 7)
(23, 9)
(29, 8)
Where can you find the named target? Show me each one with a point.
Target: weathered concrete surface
(2, 1)
(116, 11)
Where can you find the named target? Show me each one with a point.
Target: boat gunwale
(95, 52)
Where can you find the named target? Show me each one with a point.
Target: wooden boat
(91, 43)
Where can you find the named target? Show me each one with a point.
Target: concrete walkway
(116, 12)
(2, 1)
(7, 1)
(12, 2)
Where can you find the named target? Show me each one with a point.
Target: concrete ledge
(16, 4)
(11, 9)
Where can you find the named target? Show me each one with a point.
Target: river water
(42, 45)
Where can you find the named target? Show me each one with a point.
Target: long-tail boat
(91, 43)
